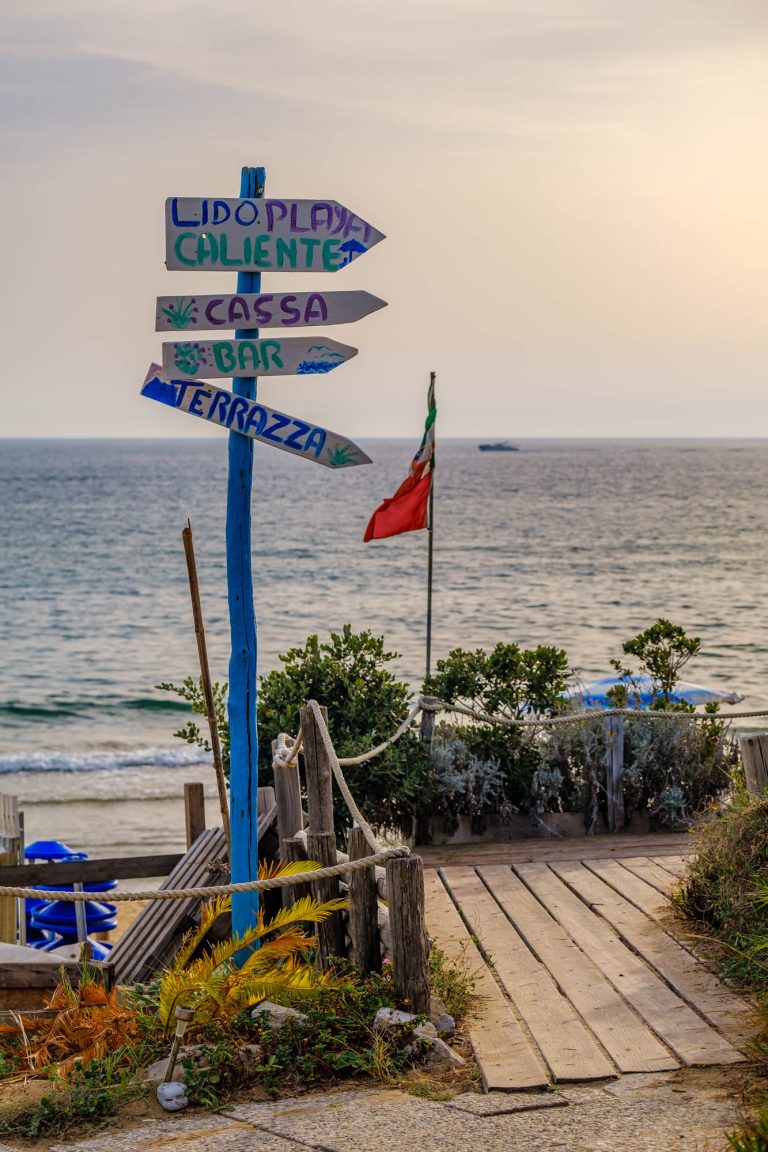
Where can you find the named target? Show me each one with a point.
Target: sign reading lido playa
(256, 235)
(263, 310)
(296, 355)
(255, 420)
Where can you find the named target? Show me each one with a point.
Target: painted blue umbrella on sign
(643, 690)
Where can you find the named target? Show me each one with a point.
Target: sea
(575, 543)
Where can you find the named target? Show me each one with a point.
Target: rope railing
(214, 890)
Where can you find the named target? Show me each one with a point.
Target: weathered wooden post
(428, 718)
(410, 943)
(614, 771)
(321, 839)
(754, 756)
(290, 817)
(363, 907)
(293, 849)
(194, 811)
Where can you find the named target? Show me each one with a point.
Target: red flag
(406, 511)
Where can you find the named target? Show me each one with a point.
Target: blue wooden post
(244, 748)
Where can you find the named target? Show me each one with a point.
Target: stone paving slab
(390, 1121)
(196, 1132)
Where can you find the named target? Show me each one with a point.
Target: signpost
(252, 234)
(255, 420)
(267, 309)
(291, 356)
(276, 235)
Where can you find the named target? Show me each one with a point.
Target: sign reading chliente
(262, 235)
(255, 420)
(300, 356)
(265, 310)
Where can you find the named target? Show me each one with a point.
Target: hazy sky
(574, 194)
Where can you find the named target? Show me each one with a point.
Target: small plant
(662, 651)
(207, 1075)
(453, 981)
(217, 988)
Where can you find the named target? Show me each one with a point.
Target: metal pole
(205, 676)
(430, 531)
(244, 749)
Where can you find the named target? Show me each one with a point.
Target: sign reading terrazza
(295, 355)
(238, 414)
(256, 235)
(263, 310)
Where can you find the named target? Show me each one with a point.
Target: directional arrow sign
(214, 359)
(255, 420)
(257, 235)
(265, 310)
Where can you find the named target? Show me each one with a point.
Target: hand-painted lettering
(178, 222)
(321, 217)
(295, 226)
(315, 308)
(261, 255)
(237, 410)
(196, 403)
(332, 258)
(257, 418)
(246, 213)
(316, 440)
(221, 212)
(292, 315)
(248, 359)
(270, 353)
(278, 421)
(261, 313)
(238, 310)
(178, 247)
(219, 406)
(300, 429)
(224, 356)
(309, 248)
(207, 248)
(227, 261)
(286, 251)
(210, 312)
(276, 211)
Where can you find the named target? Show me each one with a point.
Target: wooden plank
(505, 1058)
(645, 868)
(694, 1041)
(156, 932)
(691, 981)
(625, 1037)
(238, 414)
(194, 811)
(644, 896)
(562, 847)
(410, 945)
(754, 756)
(568, 1048)
(88, 871)
(276, 356)
(677, 866)
(263, 310)
(259, 235)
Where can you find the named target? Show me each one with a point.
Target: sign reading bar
(287, 433)
(256, 235)
(263, 310)
(294, 356)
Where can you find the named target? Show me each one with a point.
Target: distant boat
(499, 446)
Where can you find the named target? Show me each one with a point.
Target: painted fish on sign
(215, 359)
(265, 310)
(256, 235)
(237, 414)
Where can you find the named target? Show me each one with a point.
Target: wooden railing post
(363, 907)
(321, 846)
(754, 756)
(410, 944)
(318, 772)
(194, 811)
(614, 771)
(290, 818)
(292, 849)
(428, 718)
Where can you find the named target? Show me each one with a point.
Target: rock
(156, 1072)
(172, 1096)
(389, 1018)
(277, 1013)
(425, 1031)
(440, 1053)
(444, 1023)
(250, 1054)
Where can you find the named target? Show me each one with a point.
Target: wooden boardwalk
(581, 972)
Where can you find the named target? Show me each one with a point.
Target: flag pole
(430, 531)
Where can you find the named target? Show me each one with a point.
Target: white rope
(350, 761)
(217, 889)
(357, 815)
(592, 714)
